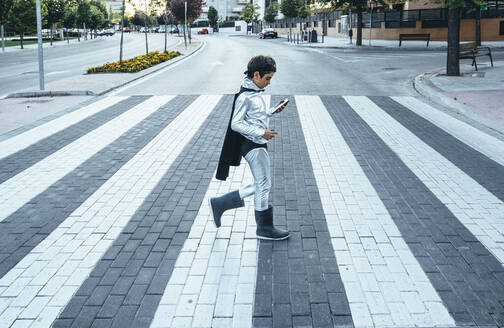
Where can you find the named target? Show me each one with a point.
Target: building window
(315, 23)
(332, 23)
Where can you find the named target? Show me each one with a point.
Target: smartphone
(280, 104)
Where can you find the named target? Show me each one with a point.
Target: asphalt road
(19, 70)
(219, 67)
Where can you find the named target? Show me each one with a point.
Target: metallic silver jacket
(251, 115)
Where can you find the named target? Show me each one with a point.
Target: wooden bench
(470, 51)
(417, 36)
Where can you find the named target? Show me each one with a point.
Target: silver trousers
(259, 162)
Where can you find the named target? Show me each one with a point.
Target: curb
(43, 93)
(177, 59)
(425, 88)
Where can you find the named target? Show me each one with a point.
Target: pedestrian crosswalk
(395, 212)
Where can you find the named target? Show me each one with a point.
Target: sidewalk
(99, 84)
(337, 42)
(477, 95)
(34, 46)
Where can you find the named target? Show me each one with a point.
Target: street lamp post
(371, 23)
(185, 23)
(40, 51)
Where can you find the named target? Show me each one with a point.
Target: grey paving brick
(136, 272)
(260, 322)
(282, 316)
(439, 228)
(102, 323)
(110, 307)
(125, 316)
(321, 315)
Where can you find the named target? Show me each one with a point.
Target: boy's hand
(268, 134)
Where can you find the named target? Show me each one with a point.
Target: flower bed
(135, 64)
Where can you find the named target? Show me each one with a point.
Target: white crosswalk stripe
(26, 185)
(451, 185)
(59, 265)
(23, 140)
(382, 278)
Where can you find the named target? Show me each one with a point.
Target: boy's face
(262, 82)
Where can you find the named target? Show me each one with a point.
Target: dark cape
(230, 153)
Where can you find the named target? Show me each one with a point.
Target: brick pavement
(33, 222)
(466, 276)
(395, 216)
(298, 281)
(19, 153)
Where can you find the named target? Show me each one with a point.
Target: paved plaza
(395, 211)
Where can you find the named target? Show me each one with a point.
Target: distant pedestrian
(247, 136)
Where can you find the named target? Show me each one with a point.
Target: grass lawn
(9, 43)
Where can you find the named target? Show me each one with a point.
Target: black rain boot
(219, 205)
(265, 228)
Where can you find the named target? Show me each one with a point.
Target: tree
(250, 14)
(358, 6)
(304, 9)
(96, 18)
(454, 13)
(23, 17)
(212, 16)
(5, 6)
(289, 8)
(194, 8)
(55, 12)
(83, 13)
(69, 18)
(139, 18)
(271, 12)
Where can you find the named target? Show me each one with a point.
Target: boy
(247, 135)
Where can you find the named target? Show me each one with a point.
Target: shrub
(135, 64)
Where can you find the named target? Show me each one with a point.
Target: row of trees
(300, 8)
(20, 15)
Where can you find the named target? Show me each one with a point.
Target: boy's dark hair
(261, 64)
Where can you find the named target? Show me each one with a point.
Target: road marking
(24, 186)
(375, 284)
(23, 140)
(476, 208)
(58, 72)
(68, 255)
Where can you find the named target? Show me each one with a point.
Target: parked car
(268, 33)
(174, 30)
(126, 29)
(108, 32)
(203, 31)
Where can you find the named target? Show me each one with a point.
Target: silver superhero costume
(251, 119)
